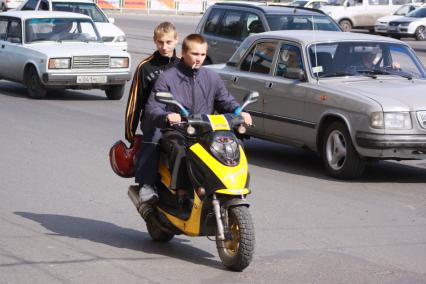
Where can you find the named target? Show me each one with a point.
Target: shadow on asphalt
(12, 89)
(119, 237)
(306, 163)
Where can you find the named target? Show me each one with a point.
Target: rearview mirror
(252, 97)
(168, 99)
(248, 99)
(164, 97)
(111, 20)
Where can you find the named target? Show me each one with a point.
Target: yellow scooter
(218, 170)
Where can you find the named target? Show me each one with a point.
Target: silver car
(350, 97)
(46, 50)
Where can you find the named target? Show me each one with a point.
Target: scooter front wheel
(236, 252)
(157, 234)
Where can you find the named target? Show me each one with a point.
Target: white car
(46, 50)
(413, 25)
(110, 33)
(382, 23)
(315, 4)
(9, 4)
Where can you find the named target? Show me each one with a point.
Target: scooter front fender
(235, 202)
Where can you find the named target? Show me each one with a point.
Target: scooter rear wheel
(157, 234)
(237, 251)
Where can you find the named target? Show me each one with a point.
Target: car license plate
(91, 79)
(392, 28)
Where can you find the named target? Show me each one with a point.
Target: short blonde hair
(164, 28)
(197, 38)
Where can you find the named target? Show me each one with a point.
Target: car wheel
(420, 33)
(35, 89)
(339, 155)
(345, 25)
(115, 92)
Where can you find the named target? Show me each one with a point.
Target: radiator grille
(82, 62)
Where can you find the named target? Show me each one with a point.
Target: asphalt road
(65, 217)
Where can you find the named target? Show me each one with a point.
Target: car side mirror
(111, 20)
(295, 73)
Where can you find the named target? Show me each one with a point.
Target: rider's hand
(174, 118)
(247, 118)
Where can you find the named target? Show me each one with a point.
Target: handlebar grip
(238, 110)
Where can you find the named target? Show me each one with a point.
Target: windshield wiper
(337, 74)
(385, 72)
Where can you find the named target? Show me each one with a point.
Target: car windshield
(301, 22)
(404, 10)
(89, 9)
(419, 13)
(364, 59)
(60, 29)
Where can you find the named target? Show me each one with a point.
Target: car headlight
(59, 63)
(391, 120)
(119, 62)
(121, 38)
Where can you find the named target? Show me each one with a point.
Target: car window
(231, 25)
(378, 2)
(404, 61)
(401, 2)
(57, 29)
(89, 9)
(259, 59)
(419, 13)
(363, 58)
(14, 32)
(213, 20)
(3, 29)
(253, 24)
(301, 22)
(30, 5)
(44, 5)
(289, 62)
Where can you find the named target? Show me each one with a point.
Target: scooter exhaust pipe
(133, 194)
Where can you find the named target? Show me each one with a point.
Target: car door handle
(235, 79)
(269, 85)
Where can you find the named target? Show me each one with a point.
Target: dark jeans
(174, 144)
(149, 156)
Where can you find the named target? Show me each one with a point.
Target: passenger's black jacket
(144, 78)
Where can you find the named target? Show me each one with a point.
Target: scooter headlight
(225, 149)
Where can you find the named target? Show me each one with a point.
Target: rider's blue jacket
(200, 91)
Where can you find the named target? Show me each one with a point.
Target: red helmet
(123, 159)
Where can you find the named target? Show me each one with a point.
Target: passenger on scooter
(201, 91)
(148, 70)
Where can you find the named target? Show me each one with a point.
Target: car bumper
(70, 80)
(393, 146)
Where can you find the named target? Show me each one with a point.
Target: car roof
(42, 14)
(274, 8)
(308, 37)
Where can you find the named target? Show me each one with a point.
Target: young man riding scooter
(200, 91)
